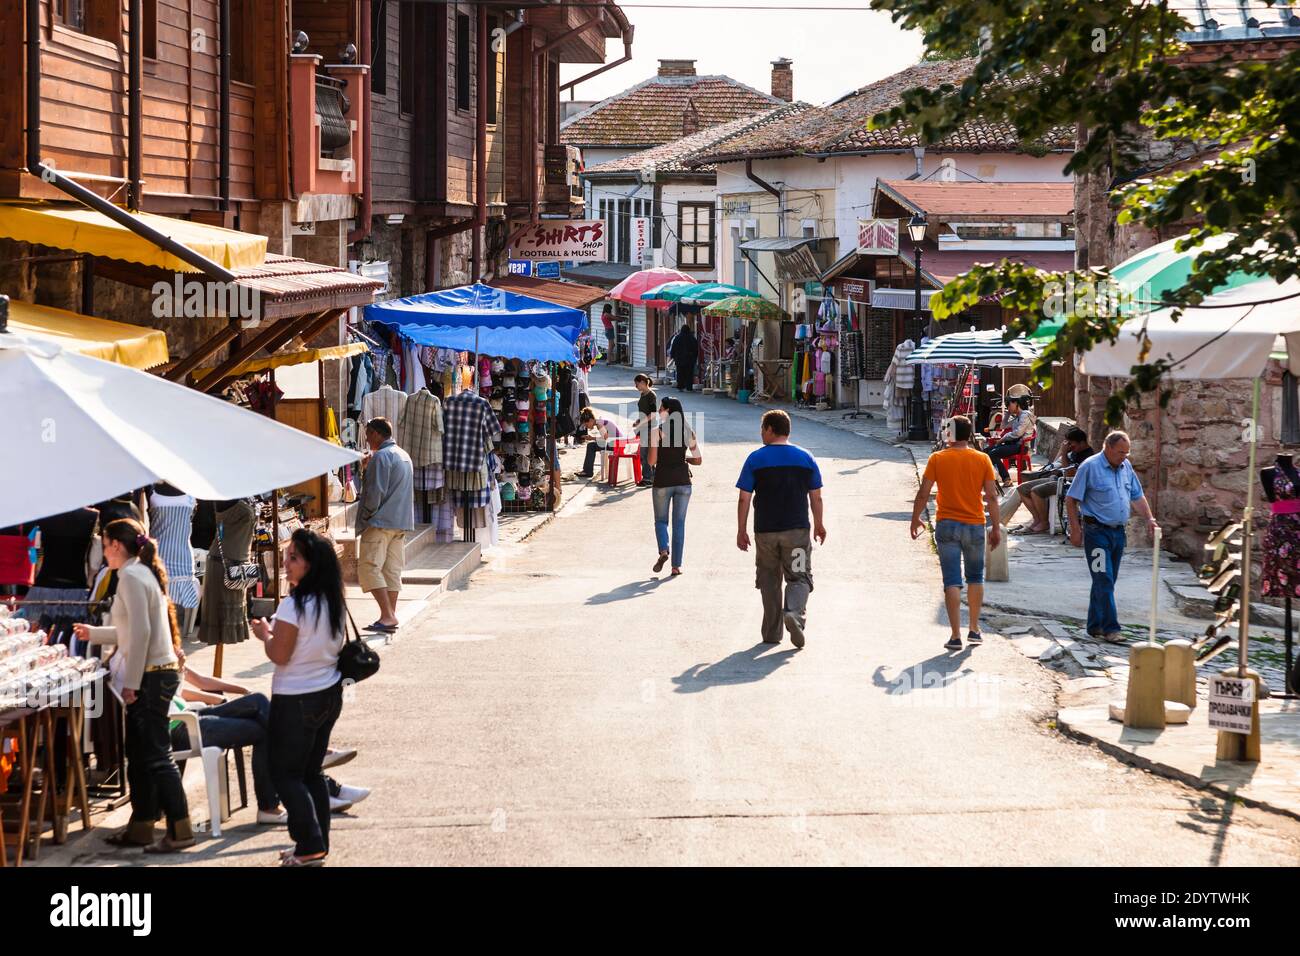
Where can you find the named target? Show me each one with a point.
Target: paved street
(571, 707)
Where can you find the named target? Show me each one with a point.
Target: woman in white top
(306, 691)
(144, 629)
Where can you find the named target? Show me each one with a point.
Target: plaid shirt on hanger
(419, 432)
(470, 428)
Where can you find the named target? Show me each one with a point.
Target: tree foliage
(1118, 72)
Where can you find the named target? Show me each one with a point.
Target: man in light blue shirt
(385, 513)
(1103, 494)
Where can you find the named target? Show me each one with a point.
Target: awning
(118, 342)
(478, 306)
(901, 299)
(536, 342)
(573, 294)
(777, 244)
(84, 230)
(301, 357)
(601, 273)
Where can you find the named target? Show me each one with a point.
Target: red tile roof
(841, 126)
(670, 157)
(653, 111)
(953, 202)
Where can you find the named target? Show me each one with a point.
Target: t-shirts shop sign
(1232, 701)
(571, 240)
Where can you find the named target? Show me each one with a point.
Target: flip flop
(381, 628)
(663, 559)
(292, 860)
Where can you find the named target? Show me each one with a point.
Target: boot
(180, 834)
(137, 833)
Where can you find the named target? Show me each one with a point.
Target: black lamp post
(920, 429)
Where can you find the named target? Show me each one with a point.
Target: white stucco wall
(670, 196)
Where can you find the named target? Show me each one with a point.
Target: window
(379, 46)
(751, 232)
(96, 18)
(809, 227)
(494, 64)
(695, 235)
(406, 57)
(462, 61)
(149, 20)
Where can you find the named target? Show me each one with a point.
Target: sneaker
(272, 818)
(974, 637)
(954, 643)
(353, 794)
(336, 758)
(338, 805)
(794, 625)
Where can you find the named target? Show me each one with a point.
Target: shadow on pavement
(935, 673)
(626, 592)
(742, 667)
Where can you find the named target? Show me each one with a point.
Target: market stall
(952, 372)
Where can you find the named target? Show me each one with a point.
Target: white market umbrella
(975, 348)
(78, 430)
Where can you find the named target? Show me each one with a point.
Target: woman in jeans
(306, 690)
(147, 638)
(672, 449)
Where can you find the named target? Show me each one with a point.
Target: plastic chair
(621, 448)
(216, 778)
(1023, 460)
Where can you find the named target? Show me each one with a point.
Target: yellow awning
(282, 359)
(84, 230)
(131, 345)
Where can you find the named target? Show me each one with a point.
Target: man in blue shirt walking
(783, 482)
(1103, 494)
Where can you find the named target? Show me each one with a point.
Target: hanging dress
(1282, 543)
(224, 617)
(171, 518)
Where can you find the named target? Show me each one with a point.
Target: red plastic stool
(623, 448)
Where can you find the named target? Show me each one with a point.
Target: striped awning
(976, 348)
(904, 299)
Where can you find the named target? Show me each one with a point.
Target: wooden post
(1244, 747)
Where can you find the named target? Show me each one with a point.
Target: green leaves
(1212, 144)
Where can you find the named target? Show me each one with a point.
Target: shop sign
(519, 267)
(641, 240)
(575, 240)
(1232, 702)
(734, 207)
(546, 270)
(855, 289)
(877, 237)
(797, 265)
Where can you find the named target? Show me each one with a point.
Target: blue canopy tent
(481, 319)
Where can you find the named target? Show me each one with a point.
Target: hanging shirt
(419, 431)
(386, 402)
(469, 429)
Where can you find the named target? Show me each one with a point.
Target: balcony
(328, 105)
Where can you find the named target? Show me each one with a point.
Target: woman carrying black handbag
(305, 642)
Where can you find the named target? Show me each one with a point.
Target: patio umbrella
(81, 430)
(712, 292)
(666, 292)
(976, 348)
(630, 289)
(746, 307)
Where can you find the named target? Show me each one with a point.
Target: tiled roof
(671, 157)
(573, 294)
(652, 112)
(949, 201)
(841, 126)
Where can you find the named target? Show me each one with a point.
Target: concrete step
(1194, 601)
(444, 565)
(422, 537)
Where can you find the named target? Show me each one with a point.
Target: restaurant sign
(877, 237)
(573, 240)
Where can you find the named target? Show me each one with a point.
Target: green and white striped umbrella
(976, 348)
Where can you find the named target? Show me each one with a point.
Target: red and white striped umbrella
(631, 288)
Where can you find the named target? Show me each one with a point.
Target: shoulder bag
(357, 659)
(237, 577)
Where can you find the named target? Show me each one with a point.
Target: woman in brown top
(673, 449)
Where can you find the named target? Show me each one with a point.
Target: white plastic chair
(214, 769)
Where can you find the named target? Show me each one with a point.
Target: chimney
(690, 118)
(783, 79)
(676, 67)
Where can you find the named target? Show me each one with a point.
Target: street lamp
(920, 429)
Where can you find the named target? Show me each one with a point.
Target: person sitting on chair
(609, 430)
(1018, 425)
(1037, 490)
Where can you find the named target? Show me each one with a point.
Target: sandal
(124, 838)
(294, 860)
(663, 559)
(676, 572)
(168, 845)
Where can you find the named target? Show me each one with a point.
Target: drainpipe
(78, 192)
(135, 127)
(223, 169)
(780, 219)
(627, 55)
(362, 231)
(480, 147)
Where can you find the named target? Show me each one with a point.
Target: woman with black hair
(306, 690)
(673, 449)
(146, 661)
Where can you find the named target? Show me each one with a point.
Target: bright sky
(834, 51)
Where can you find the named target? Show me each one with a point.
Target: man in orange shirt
(962, 474)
